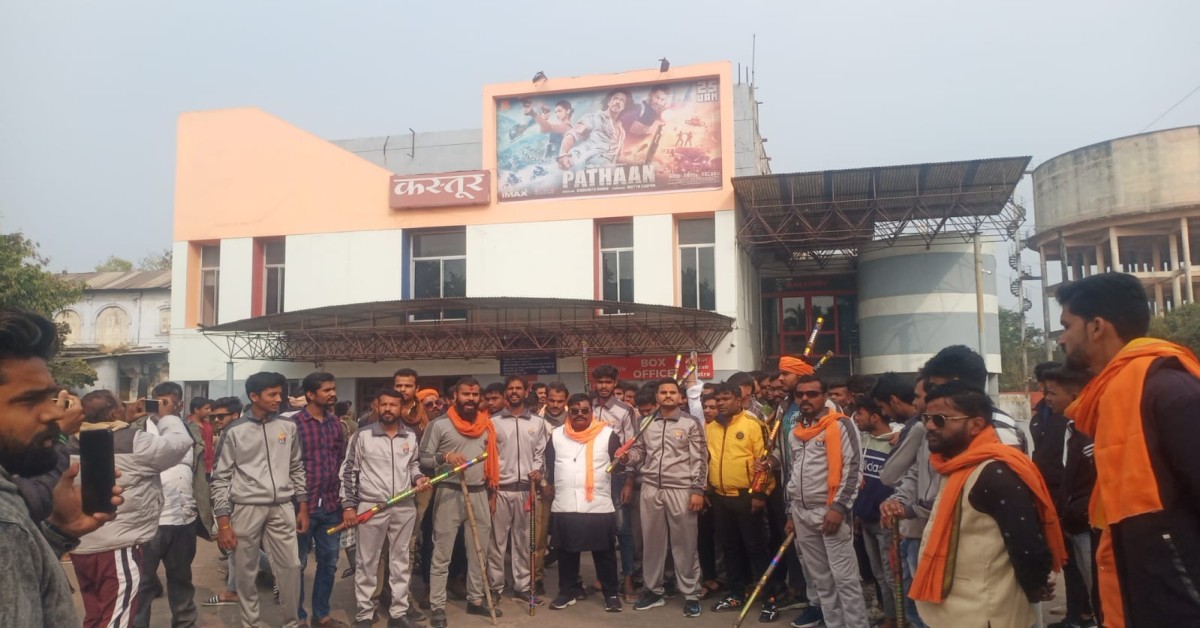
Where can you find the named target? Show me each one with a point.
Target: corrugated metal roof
(789, 214)
(132, 280)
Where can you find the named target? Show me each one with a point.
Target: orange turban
(789, 364)
(425, 393)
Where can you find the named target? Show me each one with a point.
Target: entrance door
(799, 314)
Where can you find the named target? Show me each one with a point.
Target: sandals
(217, 601)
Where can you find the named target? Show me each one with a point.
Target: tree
(1015, 373)
(156, 261)
(25, 283)
(1180, 325)
(114, 264)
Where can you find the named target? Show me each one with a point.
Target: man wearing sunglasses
(993, 535)
(826, 455)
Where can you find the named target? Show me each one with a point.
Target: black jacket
(1158, 554)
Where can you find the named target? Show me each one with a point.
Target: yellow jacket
(732, 451)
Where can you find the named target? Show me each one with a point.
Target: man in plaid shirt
(322, 447)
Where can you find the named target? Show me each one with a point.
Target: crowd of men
(877, 496)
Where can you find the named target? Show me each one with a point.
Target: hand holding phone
(97, 470)
(151, 406)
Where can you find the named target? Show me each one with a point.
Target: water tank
(915, 300)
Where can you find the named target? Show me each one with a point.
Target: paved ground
(585, 614)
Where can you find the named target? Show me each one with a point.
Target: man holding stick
(521, 439)
(381, 461)
(461, 434)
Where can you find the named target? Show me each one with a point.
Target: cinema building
(619, 218)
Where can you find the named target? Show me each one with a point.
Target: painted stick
(587, 385)
(395, 499)
(897, 576)
(756, 486)
(624, 449)
(812, 338)
(686, 374)
(823, 360)
(763, 580)
(533, 516)
(678, 361)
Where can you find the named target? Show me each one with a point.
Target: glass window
(616, 264)
(439, 270)
(164, 321)
(210, 281)
(273, 274)
(697, 265)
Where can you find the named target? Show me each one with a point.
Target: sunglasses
(579, 411)
(939, 420)
(809, 394)
(219, 415)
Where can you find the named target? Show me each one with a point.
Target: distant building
(122, 327)
(1122, 205)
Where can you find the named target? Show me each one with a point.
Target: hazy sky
(92, 90)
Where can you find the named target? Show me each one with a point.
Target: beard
(387, 418)
(466, 409)
(33, 459)
(948, 447)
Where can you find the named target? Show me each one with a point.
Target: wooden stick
(897, 575)
(487, 587)
(533, 516)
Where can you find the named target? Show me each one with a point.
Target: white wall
(654, 252)
(237, 264)
(535, 259)
(340, 268)
(141, 308)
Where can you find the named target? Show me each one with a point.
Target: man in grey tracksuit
(443, 447)
(821, 518)
(672, 458)
(259, 471)
(521, 438)
(382, 460)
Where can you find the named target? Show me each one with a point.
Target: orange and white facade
(270, 218)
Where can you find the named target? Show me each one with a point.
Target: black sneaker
(669, 589)
(482, 610)
(398, 622)
(769, 612)
(413, 613)
(648, 600)
(612, 604)
(789, 602)
(562, 601)
(810, 618)
(437, 618)
(731, 602)
(691, 608)
(540, 588)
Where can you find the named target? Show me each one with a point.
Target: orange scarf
(827, 425)
(587, 436)
(1109, 409)
(929, 582)
(481, 425)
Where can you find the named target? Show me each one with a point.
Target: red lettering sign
(440, 190)
(647, 367)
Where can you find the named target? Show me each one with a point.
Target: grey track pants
(395, 525)
(449, 513)
(275, 528)
(832, 567)
(665, 517)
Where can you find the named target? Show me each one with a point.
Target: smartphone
(97, 471)
(151, 406)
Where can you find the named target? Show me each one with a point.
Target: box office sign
(654, 366)
(447, 189)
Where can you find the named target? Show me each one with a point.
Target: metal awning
(815, 216)
(466, 328)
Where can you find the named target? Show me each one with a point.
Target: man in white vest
(584, 517)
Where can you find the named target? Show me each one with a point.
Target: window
(74, 325)
(210, 275)
(439, 270)
(616, 264)
(112, 328)
(697, 267)
(273, 256)
(164, 321)
(194, 389)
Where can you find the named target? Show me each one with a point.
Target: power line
(1172, 108)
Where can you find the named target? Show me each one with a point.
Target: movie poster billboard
(617, 140)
